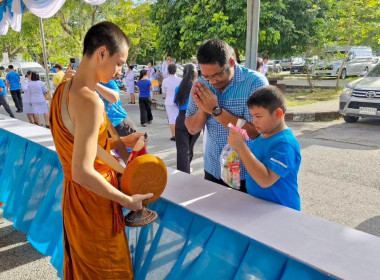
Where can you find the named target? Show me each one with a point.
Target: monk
(95, 243)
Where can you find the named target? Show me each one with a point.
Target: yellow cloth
(58, 77)
(95, 243)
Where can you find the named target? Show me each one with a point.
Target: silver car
(361, 98)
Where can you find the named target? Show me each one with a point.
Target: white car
(361, 98)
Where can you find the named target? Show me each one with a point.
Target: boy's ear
(279, 113)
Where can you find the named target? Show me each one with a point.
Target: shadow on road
(371, 226)
(15, 250)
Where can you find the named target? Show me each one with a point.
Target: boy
(273, 159)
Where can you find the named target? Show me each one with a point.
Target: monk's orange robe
(95, 243)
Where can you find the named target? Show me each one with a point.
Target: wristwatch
(216, 111)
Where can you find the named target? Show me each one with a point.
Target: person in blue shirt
(218, 98)
(184, 140)
(273, 159)
(110, 94)
(144, 86)
(13, 79)
(3, 100)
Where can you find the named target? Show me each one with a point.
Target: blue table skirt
(179, 245)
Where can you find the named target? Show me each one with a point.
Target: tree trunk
(344, 60)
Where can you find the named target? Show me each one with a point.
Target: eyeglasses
(217, 75)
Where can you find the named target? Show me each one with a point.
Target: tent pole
(253, 18)
(44, 54)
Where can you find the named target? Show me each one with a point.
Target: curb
(293, 116)
(312, 116)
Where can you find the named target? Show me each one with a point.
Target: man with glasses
(218, 98)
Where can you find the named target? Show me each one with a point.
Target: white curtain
(41, 8)
(44, 8)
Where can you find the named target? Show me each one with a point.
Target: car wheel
(343, 75)
(350, 119)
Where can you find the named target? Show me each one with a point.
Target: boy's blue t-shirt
(2, 85)
(14, 80)
(144, 86)
(281, 154)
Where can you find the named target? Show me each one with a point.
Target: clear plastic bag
(230, 164)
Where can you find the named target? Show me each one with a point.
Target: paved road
(339, 181)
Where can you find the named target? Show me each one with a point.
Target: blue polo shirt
(14, 80)
(234, 100)
(114, 111)
(2, 85)
(281, 154)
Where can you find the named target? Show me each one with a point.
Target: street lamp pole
(253, 18)
(44, 54)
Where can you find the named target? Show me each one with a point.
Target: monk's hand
(131, 140)
(134, 202)
(204, 98)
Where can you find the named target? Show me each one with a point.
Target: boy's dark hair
(10, 66)
(59, 66)
(214, 51)
(265, 57)
(172, 68)
(105, 34)
(268, 97)
(35, 76)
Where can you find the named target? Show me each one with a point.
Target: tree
(285, 25)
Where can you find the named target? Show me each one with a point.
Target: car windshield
(375, 72)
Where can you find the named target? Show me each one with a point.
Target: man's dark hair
(59, 66)
(105, 34)
(131, 67)
(214, 51)
(268, 97)
(172, 68)
(265, 57)
(10, 66)
(35, 76)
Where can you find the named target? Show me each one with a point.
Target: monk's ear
(101, 51)
(279, 113)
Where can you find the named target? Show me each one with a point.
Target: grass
(306, 97)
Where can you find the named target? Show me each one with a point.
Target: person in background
(129, 83)
(145, 87)
(273, 159)
(36, 91)
(259, 64)
(95, 241)
(218, 98)
(3, 100)
(184, 140)
(168, 89)
(58, 76)
(13, 83)
(110, 94)
(264, 69)
(28, 110)
(165, 65)
(150, 68)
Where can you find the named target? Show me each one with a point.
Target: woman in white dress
(36, 91)
(129, 83)
(27, 107)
